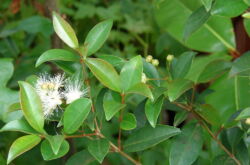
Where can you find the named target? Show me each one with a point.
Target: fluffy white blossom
(48, 89)
(73, 91)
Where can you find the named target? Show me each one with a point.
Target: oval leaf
(75, 114)
(48, 153)
(22, 145)
(97, 36)
(64, 31)
(99, 149)
(128, 121)
(31, 106)
(105, 73)
(141, 89)
(55, 142)
(57, 54)
(147, 137)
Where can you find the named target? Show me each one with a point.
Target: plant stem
(80, 136)
(120, 120)
(142, 42)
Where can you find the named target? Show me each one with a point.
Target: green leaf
(217, 31)
(223, 159)
(177, 87)
(22, 145)
(187, 146)
(99, 149)
(75, 114)
(131, 73)
(83, 156)
(14, 107)
(141, 89)
(180, 117)
(195, 21)
(151, 72)
(211, 115)
(55, 142)
(112, 104)
(153, 110)
(128, 121)
(229, 8)
(244, 114)
(207, 4)
(97, 36)
(113, 60)
(105, 73)
(183, 64)
(31, 106)
(48, 153)
(19, 125)
(64, 31)
(247, 25)
(241, 65)
(57, 54)
(147, 137)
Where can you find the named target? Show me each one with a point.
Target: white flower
(73, 91)
(48, 89)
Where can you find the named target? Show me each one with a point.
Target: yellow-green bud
(143, 78)
(149, 58)
(155, 62)
(247, 121)
(246, 15)
(170, 57)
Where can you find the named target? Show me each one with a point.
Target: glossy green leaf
(97, 36)
(151, 72)
(244, 114)
(55, 142)
(241, 65)
(180, 117)
(187, 146)
(105, 73)
(223, 159)
(195, 21)
(48, 153)
(131, 73)
(211, 115)
(141, 89)
(177, 87)
(14, 107)
(57, 54)
(18, 125)
(153, 110)
(112, 104)
(147, 137)
(128, 121)
(75, 114)
(207, 4)
(230, 8)
(83, 157)
(64, 31)
(22, 145)
(217, 31)
(31, 106)
(113, 60)
(183, 64)
(98, 149)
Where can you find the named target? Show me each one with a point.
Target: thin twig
(80, 136)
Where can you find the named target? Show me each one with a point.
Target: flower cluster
(53, 90)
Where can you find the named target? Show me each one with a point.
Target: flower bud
(170, 57)
(155, 62)
(143, 78)
(149, 58)
(246, 15)
(247, 121)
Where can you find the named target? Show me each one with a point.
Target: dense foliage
(125, 82)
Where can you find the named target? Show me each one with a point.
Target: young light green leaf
(183, 64)
(97, 36)
(131, 73)
(244, 114)
(128, 121)
(105, 73)
(57, 55)
(48, 153)
(19, 125)
(22, 145)
(177, 87)
(207, 4)
(186, 147)
(64, 31)
(75, 114)
(153, 110)
(31, 106)
(195, 21)
(112, 104)
(99, 149)
(147, 137)
(55, 142)
(141, 89)
(14, 107)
